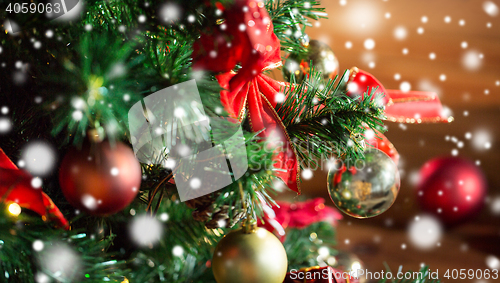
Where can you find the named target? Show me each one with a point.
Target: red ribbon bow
(247, 37)
(15, 186)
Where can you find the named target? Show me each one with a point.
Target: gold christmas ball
(253, 256)
(364, 188)
(323, 60)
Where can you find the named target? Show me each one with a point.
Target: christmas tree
(151, 143)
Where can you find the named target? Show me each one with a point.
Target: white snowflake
(36, 182)
(400, 33)
(493, 262)
(61, 261)
(195, 183)
(471, 60)
(405, 86)
(425, 232)
(89, 202)
(39, 158)
(170, 12)
(307, 174)
(38, 245)
(481, 139)
(369, 44)
(178, 251)
(5, 125)
(145, 230)
(490, 8)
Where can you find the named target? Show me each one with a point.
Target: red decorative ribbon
(402, 107)
(15, 186)
(247, 37)
(298, 215)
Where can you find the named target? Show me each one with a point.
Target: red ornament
(15, 187)
(247, 38)
(100, 179)
(452, 188)
(380, 141)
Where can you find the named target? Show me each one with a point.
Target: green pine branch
(21, 262)
(324, 122)
(290, 18)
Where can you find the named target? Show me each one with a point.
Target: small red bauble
(101, 178)
(452, 188)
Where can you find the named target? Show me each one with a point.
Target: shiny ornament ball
(250, 257)
(451, 188)
(349, 262)
(322, 57)
(365, 188)
(101, 178)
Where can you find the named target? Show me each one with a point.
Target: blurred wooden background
(471, 90)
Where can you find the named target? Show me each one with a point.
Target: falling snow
(307, 174)
(60, 259)
(493, 262)
(369, 44)
(490, 8)
(471, 60)
(425, 232)
(5, 125)
(145, 230)
(400, 33)
(39, 158)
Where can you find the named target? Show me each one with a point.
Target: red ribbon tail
(415, 107)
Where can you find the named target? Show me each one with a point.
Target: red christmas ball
(452, 188)
(361, 81)
(101, 178)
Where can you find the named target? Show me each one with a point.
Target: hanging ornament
(365, 188)
(18, 189)
(380, 141)
(349, 262)
(322, 57)
(452, 188)
(248, 255)
(101, 178)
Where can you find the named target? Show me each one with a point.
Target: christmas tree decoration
(317, 274)
(250, 40)
(319, 54)
(17, 190)
(380, 141)
(365, 188)
(100, 178)
(205, 210)
(349, 261)
(182, 90)
(400, 106)
(286, 215)
(451, 188)
(249, 254)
